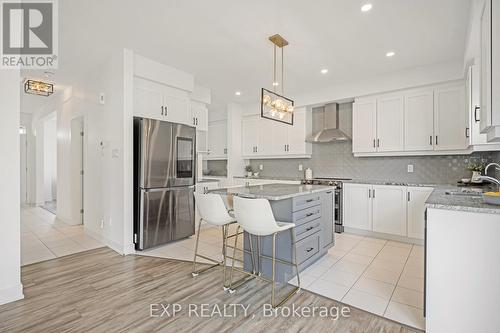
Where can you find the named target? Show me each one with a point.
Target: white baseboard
(105, 240)
(379, 235)
(11, 294)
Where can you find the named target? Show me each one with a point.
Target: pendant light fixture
(276, 106)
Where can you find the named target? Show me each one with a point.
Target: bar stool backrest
(212, 209)
(255, 216)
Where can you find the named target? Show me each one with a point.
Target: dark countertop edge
(318, 188)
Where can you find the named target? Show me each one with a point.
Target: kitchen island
(309, 207)
(462, 253)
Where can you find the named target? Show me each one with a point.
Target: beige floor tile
(37, 255)
(374, 240)
(340, 277)
(328, 260)
(65, 250)
(411, 283)
(374, 287)
(405, 314)
(400, 244)
(417, 251)
(328, 289)
(316, 270)
(416, 271)
(364, 250)
(393, 266)
(408, 297)
(358, 258)
(305, 280)
(365, 301)
(381, 275)
(350, 267)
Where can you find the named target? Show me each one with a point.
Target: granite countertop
(272, 191)
(440, 200)
(269, 178)
(208, 180)
(392, 183)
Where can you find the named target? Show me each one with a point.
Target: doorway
(50, 165)
(77, 166)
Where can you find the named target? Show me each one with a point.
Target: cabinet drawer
(307, 247)
(308, 228)
(306, 215)
(306, 201)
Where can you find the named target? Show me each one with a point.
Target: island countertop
(271, 191)
(440, 200)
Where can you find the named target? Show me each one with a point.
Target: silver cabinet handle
(467, 134)
(408, 196)
(373, 193)
(378, 142)
(309, 249)
(369, 193)
(430, 140)
(374, 145)
(162, 110)
(476, 118)
(436, 140)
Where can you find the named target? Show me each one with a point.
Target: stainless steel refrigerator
(164, 178)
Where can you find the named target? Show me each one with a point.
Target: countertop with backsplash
(441, 198)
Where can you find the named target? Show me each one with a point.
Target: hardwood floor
(101, 291)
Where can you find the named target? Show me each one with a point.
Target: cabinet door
(364, 126)
(486, 111)
(416, 197)
(473, 105)
(199, 116)
(249, 135)
(148, 99)
(390, 124)
(201, 142)
(176, 106)
(297, 134)
(389, 209)
(450, 119)
(265, 137)
(357, 206)
(279, 138)
(217, 140)
(419, 120)
(327, 219)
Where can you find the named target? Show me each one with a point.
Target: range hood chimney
(329, 133)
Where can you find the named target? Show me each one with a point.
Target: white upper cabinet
(390, 124)
(157, 101)
(364, 129)
(217, 140)
(450, 123)
(389, 209)
(358, 206)
(419, 120)
(416, 197)
(486, 74)
(412, 122)
(201, 141)
(265, 138)
(199, 116)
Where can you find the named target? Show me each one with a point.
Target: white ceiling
(224, 42)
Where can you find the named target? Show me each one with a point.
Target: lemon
(493, 194)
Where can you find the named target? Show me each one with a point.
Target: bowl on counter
(492, 198)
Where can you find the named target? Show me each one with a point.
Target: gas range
(330, 181)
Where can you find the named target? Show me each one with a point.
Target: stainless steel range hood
(330, 132)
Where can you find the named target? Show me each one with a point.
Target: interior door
(419, 120)
(364, 130)
(156, 153)
(166, 214)
(390, 124)
(389, 210)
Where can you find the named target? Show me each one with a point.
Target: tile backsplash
(337, 160)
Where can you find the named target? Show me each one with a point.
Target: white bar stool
(213, 211)
(255, 216)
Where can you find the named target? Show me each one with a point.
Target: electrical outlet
(261, 167)
(410, 168)
(300, 167)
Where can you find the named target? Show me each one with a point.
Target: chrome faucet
(491, 179)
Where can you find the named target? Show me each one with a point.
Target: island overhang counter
(309, 207)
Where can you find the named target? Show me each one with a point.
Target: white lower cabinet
(387, 209)
(358, 206)
(416, 197)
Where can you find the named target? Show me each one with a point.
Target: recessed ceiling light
(324, 71)
(390, 54)
(366, 7)
(238, 93)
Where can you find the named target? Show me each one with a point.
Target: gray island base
(309, 207)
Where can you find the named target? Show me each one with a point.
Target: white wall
(26, 122)
(11, 288)
(50, 159)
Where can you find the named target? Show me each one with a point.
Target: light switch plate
(261, 167)
(410, 168)
(300, 167)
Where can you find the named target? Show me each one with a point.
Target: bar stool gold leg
(274, 272)
(294, 246)
(259, 264)
(224, 254)
(250, 238)
(194, 273)
(232, 263)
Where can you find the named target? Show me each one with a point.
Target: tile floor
(44, 237)
(378, 276)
